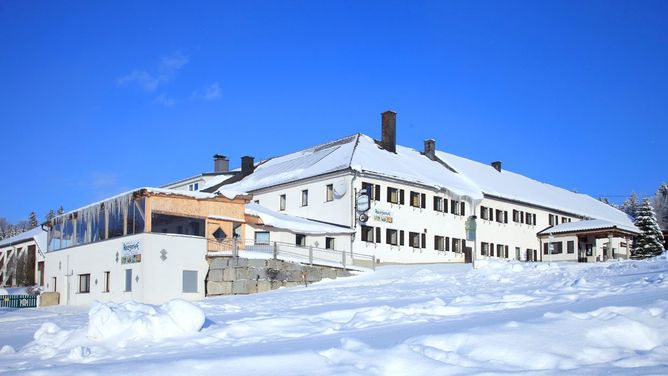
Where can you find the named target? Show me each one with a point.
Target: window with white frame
(439, 243)
(262, 237)
(367, 233)
(84, 283)
(282, 202)
(391, 236)
(305, 197)
(329, 192)
(414, 239)
(392, 195)
(106, 282)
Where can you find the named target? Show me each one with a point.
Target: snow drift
(136, 321)
(114, 325)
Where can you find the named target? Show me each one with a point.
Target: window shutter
(463, 211)
(463, 245)
(377, 193)
(435, 203)
(445, 205)
(483, 213)
(401, 237)
(377, 234)
(534, 220)
(423, 201)
(424, 240)
(505, 216)
(401, 200)
(447, 244)
(521, 217)
(452, 206)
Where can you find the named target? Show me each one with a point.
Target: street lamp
(550, 246)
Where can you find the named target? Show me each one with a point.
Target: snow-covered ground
(400, 320)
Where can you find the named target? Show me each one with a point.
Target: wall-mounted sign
(131, 252)
(382, 215)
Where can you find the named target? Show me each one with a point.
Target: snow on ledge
(294, 224)
(592, 224)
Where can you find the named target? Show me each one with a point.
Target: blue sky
(97, 98)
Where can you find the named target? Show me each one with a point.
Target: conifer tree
(650, 241)
(61, 210)
(661, 206)
(630, 205)
(50, 215)
(32, 221)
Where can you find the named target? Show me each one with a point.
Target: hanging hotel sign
(382, 216)
(131, 252)
(362, 201)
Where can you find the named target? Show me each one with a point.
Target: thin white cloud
(150, 81)
(99, 179)
(208, 92)
(164, 100)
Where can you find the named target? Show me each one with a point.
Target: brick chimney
(220, 163)
(497, 165)
(389, 140)
(430, 148)
(247, 165)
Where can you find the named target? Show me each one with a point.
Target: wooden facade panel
(197, 208)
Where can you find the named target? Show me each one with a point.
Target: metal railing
(291, 252)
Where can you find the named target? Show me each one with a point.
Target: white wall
(410, 219)
(154, 280)
(338, 211)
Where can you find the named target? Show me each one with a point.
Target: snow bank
(141, 321)
(114, 325)
(506, 317)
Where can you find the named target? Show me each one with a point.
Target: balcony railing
(310, 255)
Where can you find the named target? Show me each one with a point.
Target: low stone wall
(237, 275)
(49, 298)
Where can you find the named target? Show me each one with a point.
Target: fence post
(343, 259)
(373, 262)
(310, 255)
(275, 251)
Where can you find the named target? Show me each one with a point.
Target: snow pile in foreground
(113, 325)
(505, 317)
(142, 321)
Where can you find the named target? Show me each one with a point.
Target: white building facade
(419, 201)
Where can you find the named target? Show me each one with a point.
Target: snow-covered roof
(231, 194)
(588, 225)
(513, 186)
(292, 223)
(361, 153)
(469, 180)
(411, 165)
(37, 234)
(226, 218)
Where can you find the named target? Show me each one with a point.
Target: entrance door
(468, 255)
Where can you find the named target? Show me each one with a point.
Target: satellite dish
(340, 188)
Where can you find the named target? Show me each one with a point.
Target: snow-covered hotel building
(359, 200)
(420, 201)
